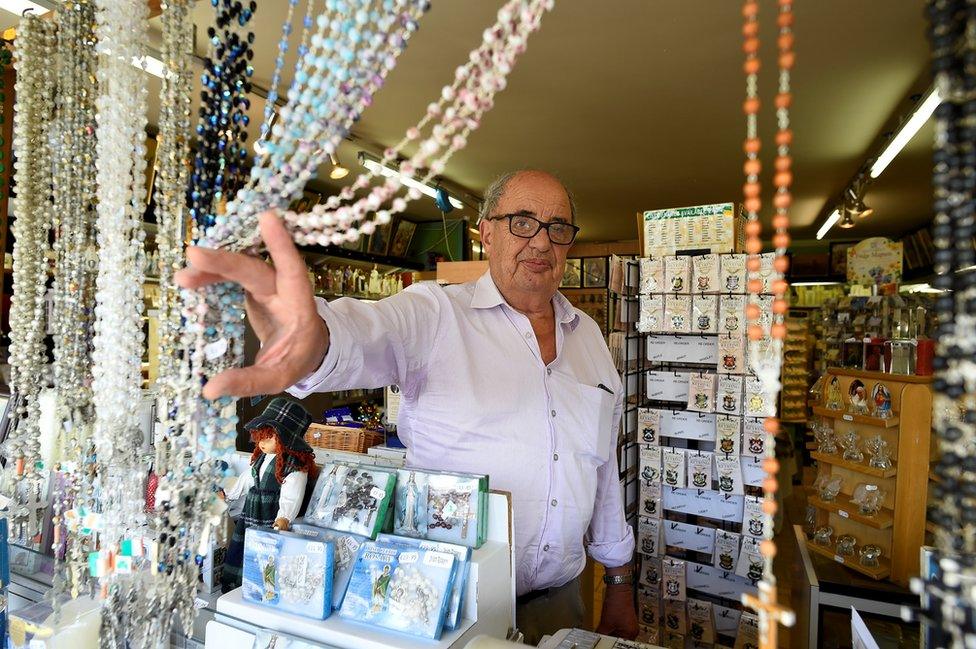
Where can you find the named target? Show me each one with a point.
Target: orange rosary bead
(751, 66)
(771, 465)
(781, 240)
(782, 263)
(778, 331)
(754, 286)
(769, 507)
(751, 106)
(783, 163)
(785, 41)
(780, 306)
(750, 10)
(751, 189)
(750, 46)
(771, 424)
(752, 204)
(782, 201)
(755, 332)
(770, 485)
(786, 60)
(754, 264)
(783, 100)
(783, 178)
(752, 145)
(752, 167)
(768, 549)
(752, 312)
(784, 137)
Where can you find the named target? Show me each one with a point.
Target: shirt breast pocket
(596, 417)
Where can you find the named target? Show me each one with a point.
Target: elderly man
(500, 376)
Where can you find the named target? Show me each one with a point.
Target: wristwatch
(619, 580)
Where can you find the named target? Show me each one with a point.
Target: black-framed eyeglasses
(526, 227)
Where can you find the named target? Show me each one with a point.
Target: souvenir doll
(274, 488)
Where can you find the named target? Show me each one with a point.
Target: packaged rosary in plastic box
(351, 498)
(346, 550)
(462, 556)
(289, 572)
(400, 588)
(448, 507)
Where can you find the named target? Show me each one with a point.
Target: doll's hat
(287, 417)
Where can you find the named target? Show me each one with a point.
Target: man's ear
(484, 227)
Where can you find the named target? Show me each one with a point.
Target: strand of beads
(765, 345)
(217, 172)
(949, 592)
(172, 157)
(73, 315)
(450, 120)
(347, 62)
(117, 352)
(33, 209)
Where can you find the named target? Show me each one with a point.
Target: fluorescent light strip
(150, 64)
(376, 167)
(829, 223)
(908, 130)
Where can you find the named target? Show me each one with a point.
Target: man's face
(527, 265)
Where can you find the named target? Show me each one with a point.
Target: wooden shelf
(880, 376)
(890, 422)
(860, 467)
(882, 571)
(843, 507)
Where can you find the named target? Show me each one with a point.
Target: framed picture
(572, 274)
(595, 272)
(838, 258)
(402, 237)
(379, 241)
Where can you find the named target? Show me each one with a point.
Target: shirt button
(555, 457)
(549, 371)
(553, 413)
(528, 334)
(553, 502)
(545, 548)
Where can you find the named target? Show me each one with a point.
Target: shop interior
(637, 108)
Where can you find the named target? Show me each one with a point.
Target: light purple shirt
(477, 397)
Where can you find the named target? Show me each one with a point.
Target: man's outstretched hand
(280, 308)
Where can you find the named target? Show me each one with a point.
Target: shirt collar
(487, 296)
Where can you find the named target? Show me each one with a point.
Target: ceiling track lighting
(434, 191)
(853, 196)
(338, 171)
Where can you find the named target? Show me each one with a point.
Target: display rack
(489, 605)
(899, 527)
(797, 353)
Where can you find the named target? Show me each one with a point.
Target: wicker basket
(341, 438)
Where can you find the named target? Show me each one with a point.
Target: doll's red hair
(303, 460)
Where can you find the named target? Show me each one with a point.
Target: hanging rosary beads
(33, 209)
(765, 355)
(74, 279)
(950, 593)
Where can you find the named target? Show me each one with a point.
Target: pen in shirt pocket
(604, 388)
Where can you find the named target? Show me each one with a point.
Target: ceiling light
(923, 110)
(847, 222)
(856, 202)
(20, 6)
(150, 64)
(829, 223)
(338, 171)
(429, 190)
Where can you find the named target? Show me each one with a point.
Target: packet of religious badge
(462, 556)
(705, 273)
(289, 572)
(351, 498)
(701, 626)
(651, 316)
(651, 276)
(346, 550)
(400, 588)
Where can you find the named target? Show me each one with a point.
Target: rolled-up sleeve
(611, 539)
(375, 344)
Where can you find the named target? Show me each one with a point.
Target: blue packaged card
(441, 506)
(289, 572)
(399, 588)
(351, 498)
(462, 556)
(346, 551)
